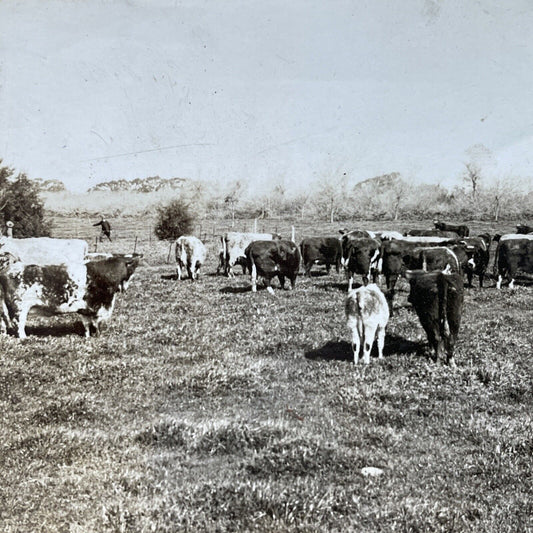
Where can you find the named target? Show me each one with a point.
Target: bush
(173, 220)
(20, 203)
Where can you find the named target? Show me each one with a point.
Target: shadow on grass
(238, 290)
(169, 276)
(342, 350)
(341, 286)
(56, 330)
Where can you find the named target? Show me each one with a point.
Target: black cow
(269, 259)
(321, 250)
(461, 230)
(361, 257)
(437, 298)
(514, 259)
(522, 229)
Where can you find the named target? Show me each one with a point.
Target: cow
(477, 250)
(461, 230)
(432, 233)
(396, 253)
(437, 298)
(269, 259)
(514, 258)
(523, 229)
(190, 255)
(387, 235)
(321, 250)
(361, 257)
(234, 244)
(430, 258)
(367, 314)
(357, 233)
(88, 289)
(45, 250)
(127, 259)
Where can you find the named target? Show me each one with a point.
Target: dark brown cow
(361, 257)
(321, 250)
(514, 259)
(461, 230)
(269, 259)
(396, 254)
(523, 229)
(437, 298)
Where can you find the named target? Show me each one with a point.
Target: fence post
(95, 244)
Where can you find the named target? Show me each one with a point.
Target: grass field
(204, 407)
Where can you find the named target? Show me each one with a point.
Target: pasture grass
(204, 407)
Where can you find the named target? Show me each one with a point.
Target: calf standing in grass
(190, 255)
(367, 313)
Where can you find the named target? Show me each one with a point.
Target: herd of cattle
(53, 276)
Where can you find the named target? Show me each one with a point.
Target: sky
(269, 92)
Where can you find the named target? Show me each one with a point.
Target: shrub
(173, 220)
(20, 203)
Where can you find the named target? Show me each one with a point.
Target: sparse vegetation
(204, 407)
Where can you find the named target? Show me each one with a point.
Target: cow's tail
(443, 305)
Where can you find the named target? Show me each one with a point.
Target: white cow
(45, 250)
(190, 255)
(367, 313)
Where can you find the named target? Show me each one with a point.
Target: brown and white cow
(234, 245)
(269, 259)
(321, 250)
(190, 255)
(437, 298)
(88, 289)
(367, 314)
(514, 259)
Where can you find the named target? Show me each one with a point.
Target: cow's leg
(281, 278)
(178, 269)
(22, 317)
(365, 280)
(269, 288)
(511, 285)
(338, 265)
(292, 279)
(190, 272)
(254, 277)
(381, 341)
(370, 335)
(481, 276)
(469, 276)
(328, 268)
(357, 333)
(499, 282)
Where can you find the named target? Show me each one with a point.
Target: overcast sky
(267, 91)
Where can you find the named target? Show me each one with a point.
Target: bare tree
(472, 176)
(233, 198)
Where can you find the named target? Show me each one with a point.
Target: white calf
(190, 255)
(367, 312)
